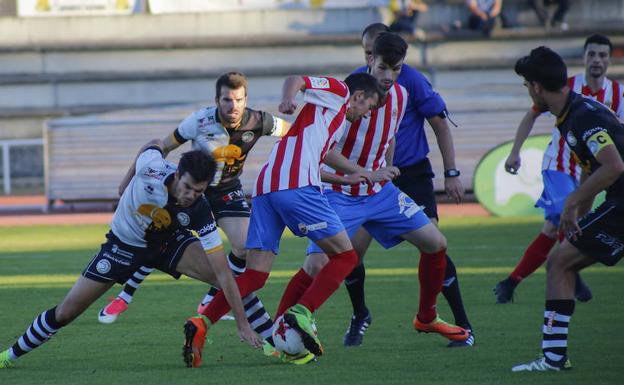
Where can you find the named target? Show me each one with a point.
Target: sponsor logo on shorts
(247, 136)
(184, 219)
(208, 228)
(116, 250)
(615, 244)
(124, 262)
(233, 196)
(103, 266)
(571, 139)
(407, 206)
(305, 229)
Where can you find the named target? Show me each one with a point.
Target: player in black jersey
(596, 138)
(151, 227)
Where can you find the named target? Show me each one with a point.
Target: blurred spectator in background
(540, 7)
(406, 16)
(483, 14)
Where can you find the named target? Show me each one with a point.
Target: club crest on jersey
(571, 139)
(407, 206)
(247, 136)
(184, 219)
(103, 266)
(395, 112)
(319, 82)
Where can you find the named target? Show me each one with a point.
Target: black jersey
(587, 127)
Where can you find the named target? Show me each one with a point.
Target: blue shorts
(305, 211)
(557, 186)
(385, 215)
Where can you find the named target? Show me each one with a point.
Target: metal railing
(6, 145)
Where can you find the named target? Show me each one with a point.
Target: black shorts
(117, 261)
(417, 182)
(603, 233)
(229, 202)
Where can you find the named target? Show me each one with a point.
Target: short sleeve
(187, 130)
(428, 102)
(147, 156)
(325, 92)
(269, 123)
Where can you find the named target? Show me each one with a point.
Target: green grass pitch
(39, 264)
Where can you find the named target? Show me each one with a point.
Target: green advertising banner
(505, 194)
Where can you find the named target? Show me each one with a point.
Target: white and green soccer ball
(286, 339)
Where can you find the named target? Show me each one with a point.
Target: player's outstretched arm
(513, 162)
(292, 85)
(219, 265)
(452, 185)
(131, 171)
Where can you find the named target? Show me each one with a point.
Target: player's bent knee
(433, 245)
(347, 258)
(314, 263)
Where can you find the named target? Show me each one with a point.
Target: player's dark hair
(374, 29)
(545, 67)
(232, 80)
(391, 47)
(598, 39)
(198, 164)
(364, 82)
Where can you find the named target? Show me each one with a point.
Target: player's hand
(160, 216)
(247, 335)
(454, 189)
(513, 163)
(287, 107)
(385, 174)
(568, 223)
(355, 178)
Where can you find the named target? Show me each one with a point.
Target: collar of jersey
(566, 109)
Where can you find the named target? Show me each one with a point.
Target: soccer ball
(287, 340)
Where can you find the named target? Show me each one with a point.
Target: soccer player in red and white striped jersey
(287, 194)
(560, 170)
(388, 214)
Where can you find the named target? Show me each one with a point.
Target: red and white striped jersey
(295, 160)
(557, 156)
(366, 141)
